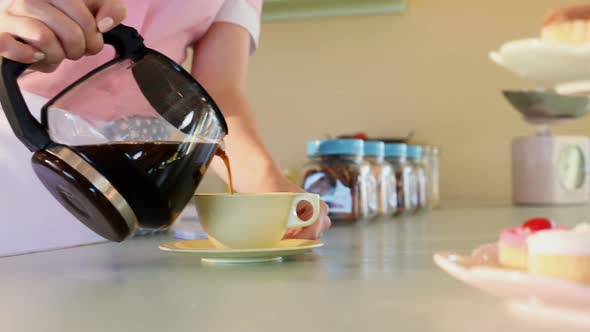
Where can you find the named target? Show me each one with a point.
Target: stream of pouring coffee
(221, 154)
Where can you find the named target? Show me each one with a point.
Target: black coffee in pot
(161, 175)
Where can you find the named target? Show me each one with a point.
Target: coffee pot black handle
(27, 129)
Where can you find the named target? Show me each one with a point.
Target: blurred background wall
(426, 69)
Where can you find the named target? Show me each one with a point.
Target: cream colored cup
(246, 221)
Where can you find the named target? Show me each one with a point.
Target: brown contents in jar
(339, 187)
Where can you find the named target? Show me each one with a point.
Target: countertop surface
(376, 276)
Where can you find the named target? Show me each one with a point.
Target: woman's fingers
(79, 12)
(47, 32)
(38, 35)
(67, 31)
(13, 49)
(316, 230)
(108, 13)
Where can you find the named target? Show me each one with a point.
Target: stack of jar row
(364, 179)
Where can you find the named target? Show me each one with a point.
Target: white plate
(482, 270)
(544, 62)
(209, 253)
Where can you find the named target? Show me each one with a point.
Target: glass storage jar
(338, 173)
(414, 154)
(395, 154)
(431, 161)
(384, 200)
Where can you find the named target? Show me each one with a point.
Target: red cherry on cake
(538, 224)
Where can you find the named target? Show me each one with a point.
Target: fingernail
(105, 24)
(38, 56)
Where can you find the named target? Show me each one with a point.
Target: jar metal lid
(414, 151)
(395, 149)
(374, 149)
(335, 147)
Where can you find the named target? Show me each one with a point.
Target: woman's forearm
(220, 64)
(257, 171)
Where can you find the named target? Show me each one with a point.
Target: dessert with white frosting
(559, 253)
(575, 32)
(512, 245)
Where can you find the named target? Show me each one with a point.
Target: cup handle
(294, 220)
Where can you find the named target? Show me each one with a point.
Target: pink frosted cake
(512, 246)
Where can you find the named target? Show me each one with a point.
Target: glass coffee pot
(127, 144)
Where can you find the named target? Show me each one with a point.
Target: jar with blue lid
(338, 173)
(396, 155)
(415, 154)
(384, 202)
